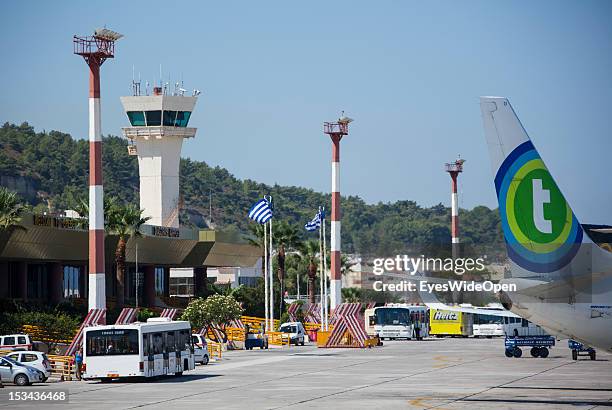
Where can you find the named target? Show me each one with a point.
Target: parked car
(295, 330)
(37, 360)
(200, 349)
(15, 342)
(19, 373)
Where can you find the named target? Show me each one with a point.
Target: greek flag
(261, 212)
(315, 223)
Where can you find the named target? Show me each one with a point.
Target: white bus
(517, 326)
(488, 322)
(397, 321)
(155, 348)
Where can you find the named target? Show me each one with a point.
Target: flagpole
(321, 279)
(267, 322)
(271, 279)
(325, 270)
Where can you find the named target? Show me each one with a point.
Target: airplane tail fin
(541, 231)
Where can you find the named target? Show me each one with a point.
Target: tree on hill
(56, 167)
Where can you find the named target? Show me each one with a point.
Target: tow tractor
(539, 345)
(578, 349)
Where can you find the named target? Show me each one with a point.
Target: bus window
(158, 344)
(185, 340)
(170, 343)
(524, 323)
(145, 344)
(112, 342)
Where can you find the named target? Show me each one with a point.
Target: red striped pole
(97, 281)
(336, 275)
(95, 50)
(454, 216)
(454, 169)
(336, 130)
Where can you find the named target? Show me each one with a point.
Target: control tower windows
(182, 118)
(137, 118)
(153, 118)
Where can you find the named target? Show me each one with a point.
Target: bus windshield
(392, 316)
(480, 319)
(112, 342)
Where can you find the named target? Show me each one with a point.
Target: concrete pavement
(433, 374)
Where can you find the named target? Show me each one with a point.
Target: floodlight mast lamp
(95, 50)
(336, 130)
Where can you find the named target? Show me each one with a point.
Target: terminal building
(46, 259)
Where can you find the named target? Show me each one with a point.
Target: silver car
(20, 374)
(37, 360)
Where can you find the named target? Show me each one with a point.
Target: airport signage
(167, 232)
(445, 315)
(56, 222)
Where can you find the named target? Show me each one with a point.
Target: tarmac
(431, 374)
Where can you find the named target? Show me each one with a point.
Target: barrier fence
(214, 350)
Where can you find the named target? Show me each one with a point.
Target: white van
(15, 342)
(296, 332)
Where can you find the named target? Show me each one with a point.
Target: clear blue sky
(409, 72)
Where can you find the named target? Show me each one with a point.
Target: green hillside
(50, 169)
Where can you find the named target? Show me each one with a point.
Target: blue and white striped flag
(315, 223)
(261, 212)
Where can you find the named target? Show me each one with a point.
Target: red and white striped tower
(95, 50)
(454, 169)
(336, 130)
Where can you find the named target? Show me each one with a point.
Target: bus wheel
(508, 353)
(574, 354)
(592, 355)
(105, 380)
(535, 351)
(543, 352)
(517, 352)
(178, 374)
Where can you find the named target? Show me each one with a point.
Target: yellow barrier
(278, 339)
(255, 323)
(62, 366)
(214, 350)
(322, 337)
(235, 334)
(37, 335)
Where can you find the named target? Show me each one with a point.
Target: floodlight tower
(158, 125)
(336, 130)
(454, 169)
(95, 50)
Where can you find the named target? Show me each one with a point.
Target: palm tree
(11, 209)
(286, 238)
(257, 239)
(310, 255)
(124, 221)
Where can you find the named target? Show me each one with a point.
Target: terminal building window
(72, 276)
(154, 118)
(181, 287)
(37, 281)
(160, 281)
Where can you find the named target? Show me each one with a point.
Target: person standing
(78, 362)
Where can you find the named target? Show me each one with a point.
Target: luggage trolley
(578, 349)
(539, 345)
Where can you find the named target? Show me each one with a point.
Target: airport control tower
(159, 123)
